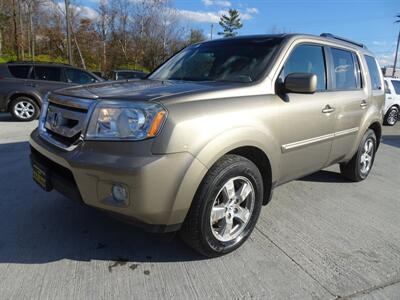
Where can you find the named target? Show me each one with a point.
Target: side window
(19, 71)
(396, 85)
(307, 59)
(78, 76)
(344, 68)
(373, 72)
(387, 89)
(47, 73)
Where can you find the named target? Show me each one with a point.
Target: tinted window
(345, 77)
(19, 71)
(396, 85)
(79, 77)
(307, 59)
(373, 72)
(48, 73)
(129, 75)
(233, 60)
(387, 90)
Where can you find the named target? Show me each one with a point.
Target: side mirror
(302, 83)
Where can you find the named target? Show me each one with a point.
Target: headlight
(132, 121)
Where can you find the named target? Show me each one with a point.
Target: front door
(307, 121)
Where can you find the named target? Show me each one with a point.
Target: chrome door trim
(319, 139)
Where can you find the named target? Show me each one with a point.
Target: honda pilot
(199, 145)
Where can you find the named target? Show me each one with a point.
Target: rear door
(349, 98)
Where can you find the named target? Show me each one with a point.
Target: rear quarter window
(374, 72)
(19, 71)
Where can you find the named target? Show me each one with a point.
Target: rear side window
(47, 73)
(346, 76)
(19, 71)
(396, 86)
(307, 59)
(79, 77)
(373, 72)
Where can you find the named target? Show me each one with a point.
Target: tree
(230, 23)
(196, 36)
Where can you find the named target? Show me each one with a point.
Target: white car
(392, 101)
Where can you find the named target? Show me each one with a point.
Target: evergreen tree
(230, 23)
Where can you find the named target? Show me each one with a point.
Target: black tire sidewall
(25, 99)
(243, 168)
(368, 135)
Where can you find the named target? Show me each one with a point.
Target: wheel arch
(377, 128)
(15, 95)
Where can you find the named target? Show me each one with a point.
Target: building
(387, 72)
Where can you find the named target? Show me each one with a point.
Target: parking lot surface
(321, 237)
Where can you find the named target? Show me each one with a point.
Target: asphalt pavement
(321, 237)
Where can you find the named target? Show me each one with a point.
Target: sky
(368, 21)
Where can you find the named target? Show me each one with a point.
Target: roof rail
(330, 35)
(36, 62)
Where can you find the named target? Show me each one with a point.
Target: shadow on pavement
(6, 117)
(391, 140)
(38, 227)
(325, 176)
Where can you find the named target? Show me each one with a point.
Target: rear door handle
(364, 104)
(328, 109)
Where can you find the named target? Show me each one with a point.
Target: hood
(142, 90)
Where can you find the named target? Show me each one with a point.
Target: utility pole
(68, 23)
(212, 29)
(397, 48)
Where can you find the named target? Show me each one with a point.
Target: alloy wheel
(24, 110)
(232, 209)
(392, 117)
(367, 156)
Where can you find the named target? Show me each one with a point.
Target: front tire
(24, 109)
(225, 208)
(359, 167)
(392, 116)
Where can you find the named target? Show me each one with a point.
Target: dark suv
(24, 84)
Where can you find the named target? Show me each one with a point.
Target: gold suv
(200, 144)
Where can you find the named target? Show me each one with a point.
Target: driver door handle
(364, 104)
(328, 109)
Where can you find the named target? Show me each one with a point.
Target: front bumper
(88, 172)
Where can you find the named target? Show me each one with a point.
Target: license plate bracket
(41, 176)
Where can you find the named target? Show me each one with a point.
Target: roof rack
(332, 36)
(36, 62)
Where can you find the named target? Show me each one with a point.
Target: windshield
(234, 60)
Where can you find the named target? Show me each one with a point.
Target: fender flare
(205, 158)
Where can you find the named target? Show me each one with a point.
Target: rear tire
(24, 109)
(392, 116)
(359, 167)
(225, 208)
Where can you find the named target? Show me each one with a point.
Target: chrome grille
(65, 121)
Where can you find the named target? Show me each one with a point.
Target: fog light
(119, 193)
